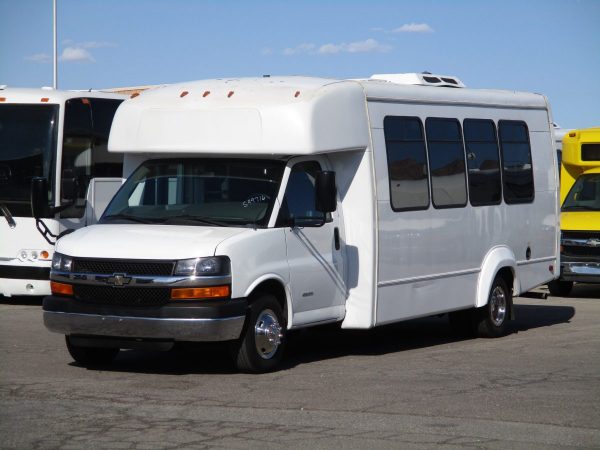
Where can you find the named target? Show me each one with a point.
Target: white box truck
(257, 206)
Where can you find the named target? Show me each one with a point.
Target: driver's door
(314, 250)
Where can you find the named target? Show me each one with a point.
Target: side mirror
(326, 192)
(39, 198)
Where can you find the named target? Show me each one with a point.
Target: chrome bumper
(178, 329)
(585, 272)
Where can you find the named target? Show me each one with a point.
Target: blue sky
(551, 46)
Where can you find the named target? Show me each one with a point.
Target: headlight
(214, 265)
(62, 263)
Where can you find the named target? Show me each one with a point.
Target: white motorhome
(59, 138)
(257, 206)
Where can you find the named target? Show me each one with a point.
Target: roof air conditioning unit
(420, 79)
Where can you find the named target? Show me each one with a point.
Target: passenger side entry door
(315, 250)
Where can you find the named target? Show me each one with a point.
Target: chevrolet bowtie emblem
(118, 279)
(593, 243)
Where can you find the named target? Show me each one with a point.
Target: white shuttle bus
(254, 207)
(59, 138)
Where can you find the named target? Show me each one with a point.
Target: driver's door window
(299, 200)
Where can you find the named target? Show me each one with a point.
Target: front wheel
(560, 288)
(490, 320)
(91, 356)
(260, 348)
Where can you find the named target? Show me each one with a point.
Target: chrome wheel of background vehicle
(267, 334)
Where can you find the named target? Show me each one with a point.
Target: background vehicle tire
(91, 356)
(560, 288)
(490, 320)
(260, 348)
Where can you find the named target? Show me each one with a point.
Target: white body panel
(432, 261)
(394, 265)
(25, 236)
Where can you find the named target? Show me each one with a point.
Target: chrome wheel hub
(267, 334)
(498, 306)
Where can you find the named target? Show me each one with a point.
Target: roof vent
(421, 79)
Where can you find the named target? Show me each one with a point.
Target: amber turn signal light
(202, 292)
(61, 288)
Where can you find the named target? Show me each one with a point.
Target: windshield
(204, 192)
(584, 195)
(27, 143)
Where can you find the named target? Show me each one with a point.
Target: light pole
(55, 59)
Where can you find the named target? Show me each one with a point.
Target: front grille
(592, 252)
(128, 296)
(581, 252)
(580, 234)
(130, 267)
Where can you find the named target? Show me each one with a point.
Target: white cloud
(266, 51)
(414, 28)
(41, 58)
(366, 46)
(302, 48)
(76, 54)
(73, 52)
(97, 44)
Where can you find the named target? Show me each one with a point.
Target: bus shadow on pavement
(330, 342)
(27, 300)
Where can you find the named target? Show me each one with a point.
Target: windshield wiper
(7, 215)
(127, 217)
(195, 219)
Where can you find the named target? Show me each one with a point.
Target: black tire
(91, 356)
(461, 322)
(559, 288)
(261, 345)
(490, 320)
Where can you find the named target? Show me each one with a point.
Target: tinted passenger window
(407, 163)
(105, 164)
(76, 163)
(446, 162)
(85, 148)
(517, 172)
(483, 160)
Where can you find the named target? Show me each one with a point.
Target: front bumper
(584, 272)
(207, 321)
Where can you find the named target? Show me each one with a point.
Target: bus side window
(407, 163)
(446, 162)
(517, 170)
(76, 161)
(104, 164)
(483, 160)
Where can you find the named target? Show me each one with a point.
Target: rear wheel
(91, 356)
(490, 320)
(560, 288)
(260, 348)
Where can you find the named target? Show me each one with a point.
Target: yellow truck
(580, 212)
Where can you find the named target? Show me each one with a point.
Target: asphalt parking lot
(410, 385)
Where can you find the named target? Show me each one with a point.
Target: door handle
(336, 238)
